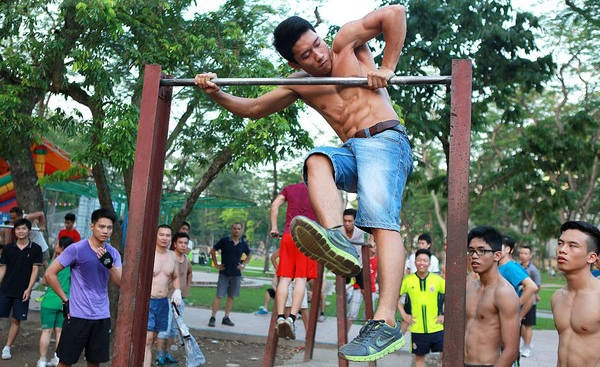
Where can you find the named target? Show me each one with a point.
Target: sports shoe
(322, 318)
(262, 311)
(375, 340)
(169, 359)
(227, 321)
(286, 328)
(6, 352)
(327, 246)
(160, 361)
(526, 351)
(41, 363)
(53, 362)
(212, 321)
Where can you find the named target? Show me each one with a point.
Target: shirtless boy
(165, 274)
(576, 307)
(374, 161)
(492, 305)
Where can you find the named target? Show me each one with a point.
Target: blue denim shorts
(376, 168)
(171, 331)
(158, 315)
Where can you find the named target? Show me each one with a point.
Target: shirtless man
(492, 306)
(576, 307)
(165, 274)
(375, 160)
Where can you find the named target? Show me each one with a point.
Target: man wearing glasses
(492, 306)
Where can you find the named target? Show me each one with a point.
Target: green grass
(544, 324)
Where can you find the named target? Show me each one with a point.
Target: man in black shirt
(19, 266)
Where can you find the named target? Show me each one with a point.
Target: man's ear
(592, 257)
(294, 65)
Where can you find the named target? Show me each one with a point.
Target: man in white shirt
(424, 241)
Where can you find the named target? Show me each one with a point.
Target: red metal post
(315, 309)
(342, 324)
(132, 318)
(458, 212)
(272, 339)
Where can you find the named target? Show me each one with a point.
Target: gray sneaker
(327, 246)
(375, 340)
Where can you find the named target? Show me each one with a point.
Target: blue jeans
(376, 168)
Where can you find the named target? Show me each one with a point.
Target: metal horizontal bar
(350, 81)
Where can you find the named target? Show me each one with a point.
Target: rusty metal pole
(132, 318)
(458, 212)
(315, 309)
(342, 324)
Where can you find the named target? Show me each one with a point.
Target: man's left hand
(379, 78)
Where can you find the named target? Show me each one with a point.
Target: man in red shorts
(292, 263)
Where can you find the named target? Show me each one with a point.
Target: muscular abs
(349, 109)
(163, 274)
(482, 329)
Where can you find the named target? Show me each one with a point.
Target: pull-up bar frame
(130, 335)
(349, 81)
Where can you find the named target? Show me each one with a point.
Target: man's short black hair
(589, 229)
(488, 234)
(509, 242)
(165, 226)
(70, 216)
(103, 213)
(22, 221)
(424, 237)
(350, 211)
(64, 242)
(287, 33)
(423, 251)
(179, 235)
(185, 223)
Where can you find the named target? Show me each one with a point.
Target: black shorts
(79, 334)
(425, 343)
(271, 293)
(529, 319)
(18, 307)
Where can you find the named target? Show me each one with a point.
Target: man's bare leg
(324, 196)
(390, 253)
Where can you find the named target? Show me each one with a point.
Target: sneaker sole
(375, 356)
(284, 330)
(312, 241)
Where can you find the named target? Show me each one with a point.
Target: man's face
(163, 237)
(482, 257)
(422, 263)
(181, 245)
(184, 228)
(572, 252)
(348, 222)
(22, 232)
(13, 216)
(422, 244)
(102, 229)
(525, 255)
(69, 224)
(312, 55)
(236, 230)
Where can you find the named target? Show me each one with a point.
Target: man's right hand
(65, 309)
(274, 233)
(203, 81)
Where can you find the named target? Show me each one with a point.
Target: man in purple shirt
(87, 312)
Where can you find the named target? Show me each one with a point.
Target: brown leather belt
(377, 128)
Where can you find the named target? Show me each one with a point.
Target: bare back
(577, 319)
(491, 319)
(163, 273)
(348, 109)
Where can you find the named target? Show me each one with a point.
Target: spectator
(527, 323)
(19, 266)
(51, 315)
(492, 306)
(426, 293)
(164, 278)
(576, 307)
(423, 241)
(93, 261)
(293, 264)
(230, 268)
(69, 230)
(183, 267)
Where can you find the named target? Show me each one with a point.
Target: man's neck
(235, 239)
(96, 243)
(579, 279)
(22, 242)
(503, 260)
(490, 276)
(422, 275)
(161, 249)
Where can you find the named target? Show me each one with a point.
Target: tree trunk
(22, 169)
(221, 160)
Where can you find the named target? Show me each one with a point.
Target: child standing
(51, 312)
